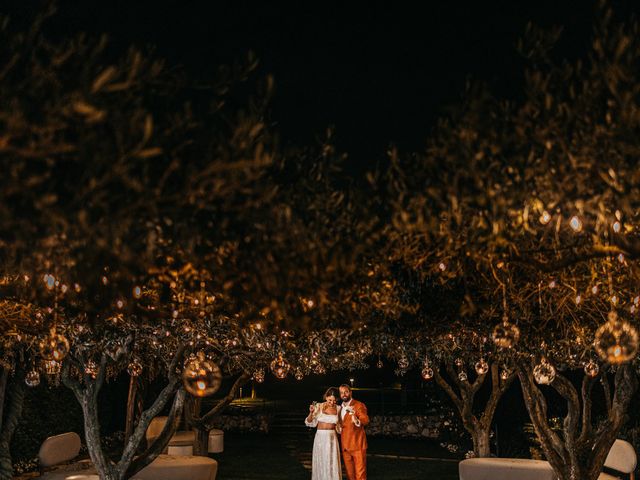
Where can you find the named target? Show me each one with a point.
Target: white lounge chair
(621, 458)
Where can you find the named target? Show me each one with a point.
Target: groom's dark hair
(346, 386)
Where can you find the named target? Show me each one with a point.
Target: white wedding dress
(326, 449)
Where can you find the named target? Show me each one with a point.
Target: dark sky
(380, 72)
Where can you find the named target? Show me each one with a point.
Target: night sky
(380, 72)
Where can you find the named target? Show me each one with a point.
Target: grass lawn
(271, 457)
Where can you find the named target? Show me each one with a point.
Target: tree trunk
(13, 395)
(579, 453)
(128, 464)
(6, 464)
(481, 442)
(204, 424)
(478, 427)
(201, 446)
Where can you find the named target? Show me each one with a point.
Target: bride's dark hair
(331, 392)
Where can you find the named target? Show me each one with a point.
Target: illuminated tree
(531, 205)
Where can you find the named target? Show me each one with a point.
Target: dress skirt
(326, 456)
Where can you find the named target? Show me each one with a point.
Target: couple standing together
(347, 419)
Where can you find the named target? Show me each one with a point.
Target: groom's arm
(362, 415)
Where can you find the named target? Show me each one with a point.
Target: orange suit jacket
(352, 437)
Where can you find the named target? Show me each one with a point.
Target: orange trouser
(355, 463)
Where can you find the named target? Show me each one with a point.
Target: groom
(353, 438)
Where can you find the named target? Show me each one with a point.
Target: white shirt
(343, 411)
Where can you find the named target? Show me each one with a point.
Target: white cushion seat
(59, 449)
(170, 467)
(505, 469)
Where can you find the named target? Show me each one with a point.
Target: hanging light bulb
(504, 374)
(258, 376)
(462, 376)
(201, 377)
(575, 223)
(137, 292)
(54, 346)
(617, 226)
(91, 369)
(134, 368)
(32, 378)
(379, 363)
(427, 372)
(52, 367)
(458, 362)
(578, 299)
(403, 362)
(545, 217)
(298, 374)
(280, 367)
(482, 367)
(591, 368)
(544, 373)
(616, 341)
(506, 334)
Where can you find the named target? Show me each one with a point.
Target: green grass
(273, 457)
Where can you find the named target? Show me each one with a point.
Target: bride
(326, 450)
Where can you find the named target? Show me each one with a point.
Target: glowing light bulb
(616, 341)
(506, 335)
(544, 373)
(578, 299)
(591, 368)
(258, 376)
(427, 373)
(617, 226)
(54, 347)
(403, 362)
(280, 367)
(594, 289)
(137, 292)
(504, 374)
(481, 367)
(32, 378)
(134, 368)
(201, 377)
(462, 376)
(442, 266)
(545, 217)
(575, 223)
(49, 281)
(91, 369)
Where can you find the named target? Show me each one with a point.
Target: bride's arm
(312, 418)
